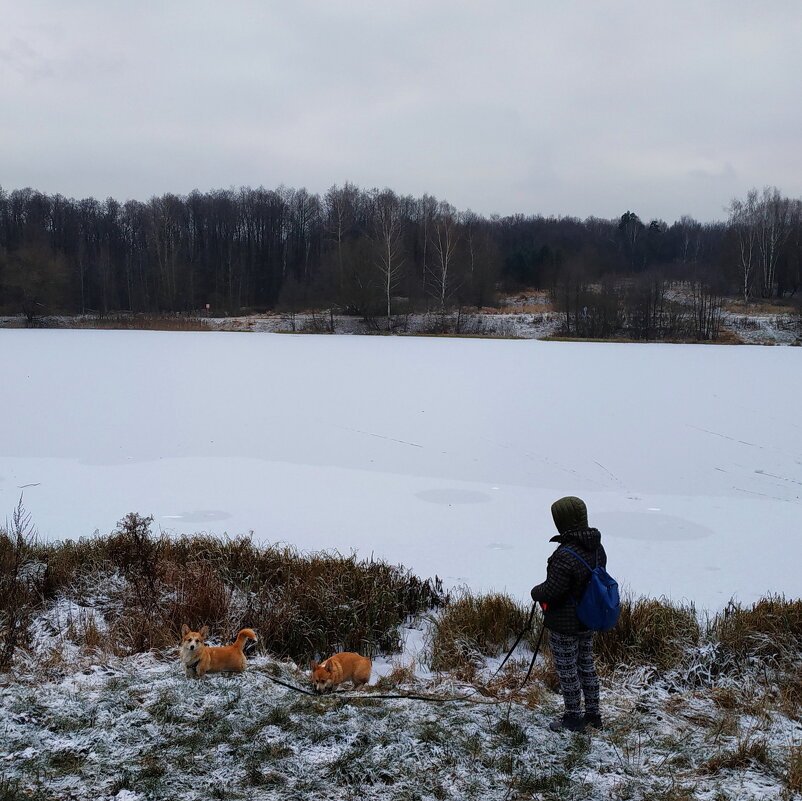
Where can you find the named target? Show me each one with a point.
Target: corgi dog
(327, 675)
(199, 659)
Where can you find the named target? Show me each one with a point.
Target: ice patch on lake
(660, 527)
(449, 496)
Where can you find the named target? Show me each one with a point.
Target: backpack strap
(573, 553)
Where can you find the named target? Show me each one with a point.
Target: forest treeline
(376, 254)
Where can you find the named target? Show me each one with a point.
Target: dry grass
(769, 631)
(748, 751)
(21, 578)
(726, 698)
(791, 694)
(398, 677)
(649, 632)
(526, 297)
(793, 775)
(523, 309)
(537, 695)
(758, 306)
(545, 675)
(725, 724)
(302, 605)
(474, 626)
(146, 322)
(726, 336)
(84, 631)
(675, 704)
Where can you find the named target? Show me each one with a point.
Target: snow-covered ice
(443, 454)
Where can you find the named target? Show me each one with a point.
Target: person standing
(570, 641)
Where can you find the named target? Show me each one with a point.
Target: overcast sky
(577, 108)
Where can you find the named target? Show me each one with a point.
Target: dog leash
(290, 686)
(434, 699)
(377, 696)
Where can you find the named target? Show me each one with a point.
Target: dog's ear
(313, 665)
(184, 630)
(204, 632)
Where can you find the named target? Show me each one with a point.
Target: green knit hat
(570, 514)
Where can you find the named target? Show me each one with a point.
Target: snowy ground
(764, 329)
(136, 729)
(442, 454)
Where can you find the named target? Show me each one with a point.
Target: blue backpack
(599, 606)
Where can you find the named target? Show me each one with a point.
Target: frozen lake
(443, 454)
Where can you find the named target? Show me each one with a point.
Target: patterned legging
(573, 661)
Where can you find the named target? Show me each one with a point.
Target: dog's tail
(244, 634)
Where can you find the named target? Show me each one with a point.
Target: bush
(21, 581)
(472, 626)
(147, 322)
(301, 605)
(649, 632)
(769, 631)
(319, 603)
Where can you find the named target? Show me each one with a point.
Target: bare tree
(644, 298)
(482, 259)
(707, 304)
(445, 237)
(427, 212)
(630, 229)
(304, 217)
(35, 276)
(339, 208)
(792, 275)
(690, 239)
(762, 225)
(773, 228)
(387, 229)
(165, 229)
(564, 293)
(743, 223)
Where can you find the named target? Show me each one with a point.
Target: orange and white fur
(199, 659)
(327, 675)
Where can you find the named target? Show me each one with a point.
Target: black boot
(593, 720)
(568, 722)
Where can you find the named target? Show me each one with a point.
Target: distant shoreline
(741, 327)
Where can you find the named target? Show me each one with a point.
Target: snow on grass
(78, 722)
(136, 728)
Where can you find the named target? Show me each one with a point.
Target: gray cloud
(19, 57)
(584, 109)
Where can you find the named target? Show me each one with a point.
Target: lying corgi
(199, 659)
(339, 668)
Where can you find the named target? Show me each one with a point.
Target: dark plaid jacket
(566, 578)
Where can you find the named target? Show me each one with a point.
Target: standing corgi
(339, 668)
(199, 659)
